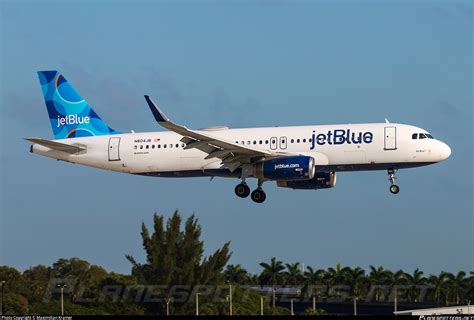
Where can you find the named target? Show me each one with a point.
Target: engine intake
(320, 181)
(286, 168)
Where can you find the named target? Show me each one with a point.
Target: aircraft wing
(57, 145)
(233, 155)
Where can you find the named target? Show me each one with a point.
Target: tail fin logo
(70, 115)
(73, 119)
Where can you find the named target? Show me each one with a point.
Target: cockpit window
(414, 136)
(422, 136)
(429, 136)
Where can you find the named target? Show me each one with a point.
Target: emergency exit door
(114, 149)
(390, 138)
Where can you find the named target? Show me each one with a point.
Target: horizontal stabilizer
(59, 146)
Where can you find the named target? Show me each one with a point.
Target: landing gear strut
(392, 178)
(258, 195)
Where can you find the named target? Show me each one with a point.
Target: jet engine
(293, 168)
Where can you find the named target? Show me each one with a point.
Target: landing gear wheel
(242, 190)
(258, 196)
(394, 189)
(392, 178)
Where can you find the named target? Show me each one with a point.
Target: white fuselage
(376, 146)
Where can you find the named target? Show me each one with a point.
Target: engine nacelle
(320, 181)
(286, 168)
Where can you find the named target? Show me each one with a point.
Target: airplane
(297, 157)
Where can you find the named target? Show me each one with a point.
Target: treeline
(176, 274)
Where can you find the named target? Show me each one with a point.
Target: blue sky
(242, 63)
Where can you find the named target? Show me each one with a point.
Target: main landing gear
(242, 190)
(392, 178)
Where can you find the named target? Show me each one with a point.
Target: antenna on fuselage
(386, 120)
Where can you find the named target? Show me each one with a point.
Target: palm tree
(355, 278)
(293, 274)
(414, 280)
(272, 274)
(234, 273)
(333, 277)
(378, 276)
(458, 285)
(312, 277)
(395, 279)
(440, 284)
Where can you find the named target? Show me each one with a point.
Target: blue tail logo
(70, 115)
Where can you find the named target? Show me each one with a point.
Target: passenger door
(390, 138)
(114, 148)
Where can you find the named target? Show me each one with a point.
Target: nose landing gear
(392, 178)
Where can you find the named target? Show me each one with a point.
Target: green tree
(14, 291)
(234, 273)
(36, 280)
(414, 280)
(378, 277)
(457, 285)
(334, 276)
(355, 278)
(14, 304)
(84, 277)
(312, 277)
(175, 257)
(441, 286)
(272, 274)
(293, 275)
(394, 279)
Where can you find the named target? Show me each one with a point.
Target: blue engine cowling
(286, 168)
(320, 181)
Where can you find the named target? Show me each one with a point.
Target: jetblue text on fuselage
(340, 136)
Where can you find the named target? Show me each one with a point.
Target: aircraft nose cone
(445, 151)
